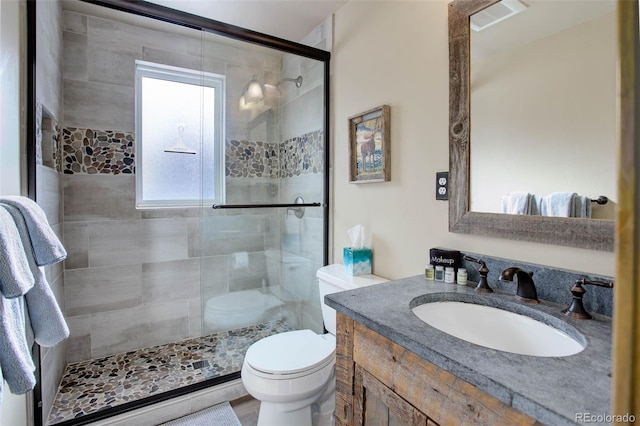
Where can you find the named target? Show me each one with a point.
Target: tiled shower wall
(49, 57)
(132, 278)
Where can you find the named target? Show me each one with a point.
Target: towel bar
(601, 200)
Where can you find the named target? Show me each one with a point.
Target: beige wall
(396, 53)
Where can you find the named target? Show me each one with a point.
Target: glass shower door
(261, 245)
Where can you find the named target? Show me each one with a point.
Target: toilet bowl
(292, 374)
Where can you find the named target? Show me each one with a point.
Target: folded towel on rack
(560, 204)
(16, 363)
(48, 323)
(534, 204)
(581, 206)
(516, 203)
(15, 276)
(47, 248)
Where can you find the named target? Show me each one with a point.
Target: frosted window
(178, 110)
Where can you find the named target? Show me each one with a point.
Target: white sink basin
(497, 329)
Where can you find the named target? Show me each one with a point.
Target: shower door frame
(184, 19)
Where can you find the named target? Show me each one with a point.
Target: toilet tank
(332, 279)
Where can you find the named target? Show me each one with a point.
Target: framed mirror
(467, 217)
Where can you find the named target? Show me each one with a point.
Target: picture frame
(370, 146)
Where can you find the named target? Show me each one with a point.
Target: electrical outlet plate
(442, 185)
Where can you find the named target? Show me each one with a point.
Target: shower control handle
(298, 211)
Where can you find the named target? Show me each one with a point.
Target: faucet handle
(576, 309)
(483, 285)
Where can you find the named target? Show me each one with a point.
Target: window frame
(186, 76)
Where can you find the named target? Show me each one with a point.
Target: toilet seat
(292, 354)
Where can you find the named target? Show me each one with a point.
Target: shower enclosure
(192, 165)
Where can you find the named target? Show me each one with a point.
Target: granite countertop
(554, 390)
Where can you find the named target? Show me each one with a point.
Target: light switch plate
(442, 185)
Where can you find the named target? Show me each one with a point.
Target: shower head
(180, 147)
(274, 89)
(297, 80)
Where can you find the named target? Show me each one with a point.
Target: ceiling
(287, 19)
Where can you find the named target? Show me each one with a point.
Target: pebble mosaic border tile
(52, 155)
(89, 151)
(90, 386)
(251, 159)
(57, 146)
(302, 155)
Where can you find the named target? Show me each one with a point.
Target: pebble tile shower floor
(90, 386)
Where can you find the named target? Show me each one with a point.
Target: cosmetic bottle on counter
(462, 276)
(439, 274)
(449, 275)
(429, 272)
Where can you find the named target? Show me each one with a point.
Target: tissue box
(357, 261)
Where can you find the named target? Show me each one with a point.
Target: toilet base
(271, 414)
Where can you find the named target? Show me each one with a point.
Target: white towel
(48, 323)
(47, 248)
(560, 204)
(15, 276)
(516, 203)
(15, 358)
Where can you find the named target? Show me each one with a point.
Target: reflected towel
(48, 323)
(581, 206)
(15, 276)
(15, 358)
(47, 248)
(534, 204)
(560, 204)
(516, 203)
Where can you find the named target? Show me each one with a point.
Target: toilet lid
(291, 352)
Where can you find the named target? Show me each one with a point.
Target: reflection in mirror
(583, 233)
(543, 94)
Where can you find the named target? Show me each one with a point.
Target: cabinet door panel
(377, 405)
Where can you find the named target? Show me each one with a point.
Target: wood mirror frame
(583, 233)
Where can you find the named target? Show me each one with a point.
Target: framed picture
(369, 146)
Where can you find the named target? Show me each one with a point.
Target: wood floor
(246, 409)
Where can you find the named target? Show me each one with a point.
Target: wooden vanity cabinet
(380, 383)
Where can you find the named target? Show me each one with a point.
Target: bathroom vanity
(393, 368)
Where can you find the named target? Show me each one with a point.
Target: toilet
(292, 374)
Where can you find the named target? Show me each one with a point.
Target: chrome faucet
(526, 290)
